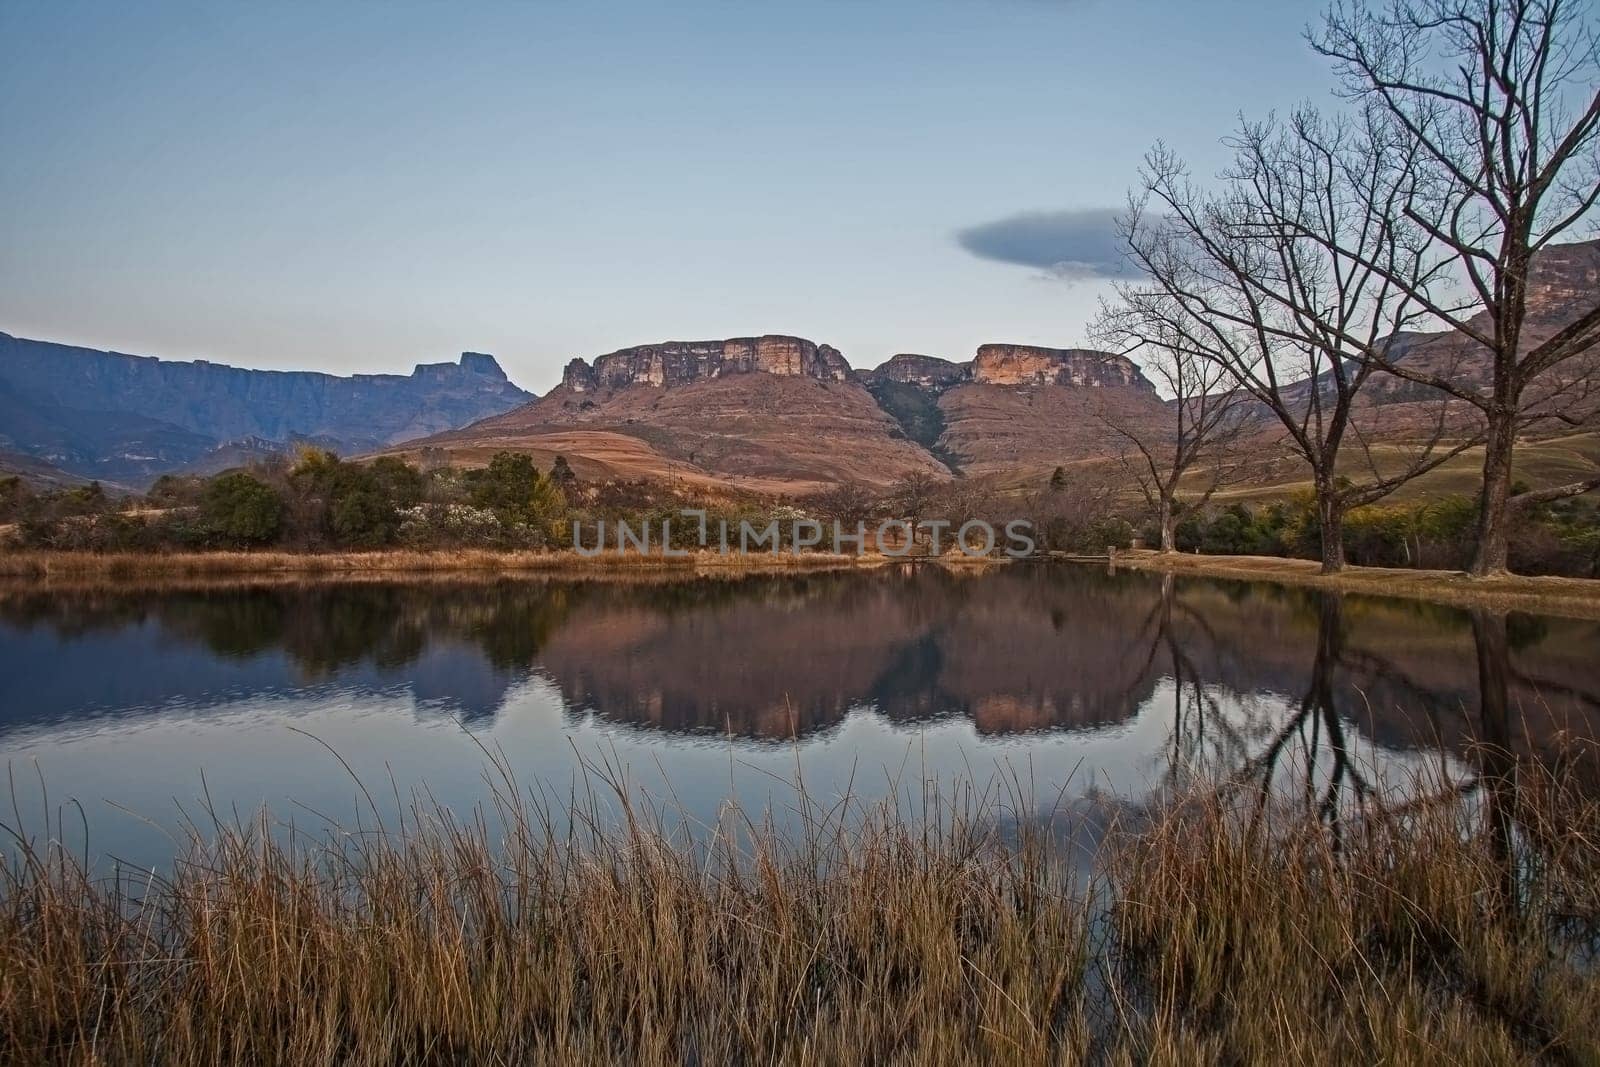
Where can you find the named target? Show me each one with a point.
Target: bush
(529, 506)
(240, 509)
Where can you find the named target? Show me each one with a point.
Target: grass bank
(1448, 930)
(151, 565)
(1571, 597)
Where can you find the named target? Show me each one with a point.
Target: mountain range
(127, 419)
(770, 414)
(784, 414)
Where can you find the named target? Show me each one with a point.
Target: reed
(599, 937)
(1459, 926)
(1216, 928)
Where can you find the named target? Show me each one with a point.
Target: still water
(124, 713)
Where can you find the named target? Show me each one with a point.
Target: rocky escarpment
(1032, 365)
(1013, 407)
(1020, 365)
(772, 413)
(1563, 286)
(682, 362)
(909, 368)
(127, 418)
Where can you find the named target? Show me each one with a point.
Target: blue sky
(360, 186)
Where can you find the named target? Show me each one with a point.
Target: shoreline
(47, 567)
(1577, 598)
(1569, 597)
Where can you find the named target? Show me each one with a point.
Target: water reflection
(1145, 682)
(778, 658)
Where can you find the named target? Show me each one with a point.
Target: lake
(126, 712)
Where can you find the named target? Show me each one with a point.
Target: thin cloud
(1071, 245)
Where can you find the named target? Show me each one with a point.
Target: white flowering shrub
(430, 525)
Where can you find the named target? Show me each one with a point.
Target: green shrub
(239, 509)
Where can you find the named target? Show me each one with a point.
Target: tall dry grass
(591, 939)
(1457, 929)
(1460, 926)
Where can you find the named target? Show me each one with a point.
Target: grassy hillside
(1539, 463)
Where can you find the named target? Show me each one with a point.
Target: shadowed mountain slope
(130, 418)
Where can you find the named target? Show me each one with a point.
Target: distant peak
(481, 363)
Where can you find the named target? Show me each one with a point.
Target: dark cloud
(1066, 244)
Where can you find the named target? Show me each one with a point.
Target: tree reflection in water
(1277, 691)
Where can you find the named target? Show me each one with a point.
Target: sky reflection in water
(1086, 690)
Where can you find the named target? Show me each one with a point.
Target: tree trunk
(1494, 511)
(1168, 542)
(1497, 763)
(1330, 517)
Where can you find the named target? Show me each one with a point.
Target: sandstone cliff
(129, 418)
(784, 414)
(1031, 365)
(682, 362)
(1007, 364)
(770, 414)
(909, 368)
(1015, 408)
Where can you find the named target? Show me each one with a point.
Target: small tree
(847, 503)
(512, 487)
(15, 497)
(1207, 414)
(562, 475)
(240, 509)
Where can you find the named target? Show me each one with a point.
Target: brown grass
(1457, 930)
(1577, 598)
(865, 939)
(1539, 462)
(1233, 932)
(124, 565)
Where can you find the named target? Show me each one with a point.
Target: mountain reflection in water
(1201, 677)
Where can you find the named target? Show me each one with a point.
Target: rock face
(783, 414)
(1031, 365)
(673, 363)
(1563, 284)
(771, 414)
(908, 368)
(1014, 407)
(130, 418)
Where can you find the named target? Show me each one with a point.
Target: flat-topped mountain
(1015, 407)
(773, 414)
(1032, 365)
(784, 414)
(682, 362)
(128, 418)
(908, 368)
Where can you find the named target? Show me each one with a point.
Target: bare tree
(1207, 414)
(1077, 505)
(1493, 107)
(848, 503)
(1283, 279)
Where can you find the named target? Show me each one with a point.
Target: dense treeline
(317, 502)
(323, 503)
